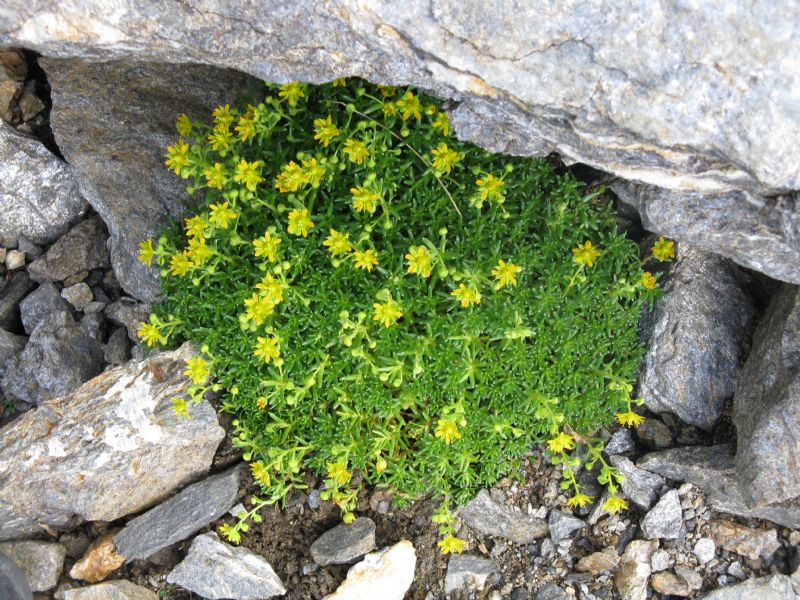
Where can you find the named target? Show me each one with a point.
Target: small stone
(215, 570)
(692, 578)
(665, 519)
(78, 295)
(237, 510)
(15, 260)
(634, 570)
(794, 538)
(704, 550)
(551, 592)
(130, 314)
(40, 562)
(77, 278)
(117, 350)
(29, 102)
(640, 486)
(381, 500)
(118, 589)
(467, 572)
(752, 543)
(100, 560)
(40, 305)
(621, 442)
(562, 525)
(606, 560)
(548, 548)
(386, 575)
(654, 434)
(75, 543)
(667, 583)
(735, 569)
(659, 561)
(344, 543)
(179, 517)
(30, 249)
(490, 518)
(94, 307)
(314, 499)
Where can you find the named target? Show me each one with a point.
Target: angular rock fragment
(598, 562)
(215, 570)
(10, 346)
(563, 525)
(467, 572)
(640, 486)
(749, 542)
(130, 314)
(40, 562)
(119, 589)
(344, 543)
(490, 518)
(41, 305)
(10, 296)
(634, 570)
(99, 561)
(386, 574)
(82, 248)
(670, 584)
(665, 519)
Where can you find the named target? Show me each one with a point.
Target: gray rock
(704, 550)
(772, 587)
(10, 346)
(39, 198)
(78, 295)
(40, 562)
(757, 232)
(59, 357)
(30, 249)
(653, 434)
(766, 409)
(659, 561)
(82, 248)
(13, 584)
(42, 305)
(113, 121)
(130, 314)
(551, 591)
(634, 570)
(344, 543)
(117, 350)
(692, 578)
(10, 296)
(696, 345)
(713, 469)
(215, 570)
(15, 259)
(179, 517)
(563, 525)
(113, 447)
(640, 486)
(665, 519)
(467, 572)
(746, 541)
(621, 442)
(486, 516)
(119, 589)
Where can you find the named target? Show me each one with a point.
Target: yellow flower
(248, 174)
(246, 128)
(447, 430)
(177, 156)
(215, 176)
(444, 158)
(364, 199)
(339, 473)
(389, 109)
(151, 334)
(222, 116)
(561, 442)
(184, 126)
(490, 187)
(221, 215)
(579, 500)
(356, 150)
(196, 370)
(258, 308)
(180, 264)
(267, 245)
(410, 106)
(220, 137)
(648, 280)
(291, 92)
(664, 249)
(505, 273)
(325, 130)
(271, 289)
(267, 349)
(291, 178)
(366, 259)
(195, 226)
(314, 171)
(339, 82)
(261, 403)
(260, 473)
(197, 251)
(387, 313)
(629, 419)
(300, 222)
(451, 544)
(338, 243)
(614, 504)
(179, 407)
(467, 295)
(585, 254)
(442, 123)
(146, 252)
(419, 261)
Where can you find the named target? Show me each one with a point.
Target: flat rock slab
(467, 572)
(113, 447)
(386, 574)
(40, 562)
(215, 570)
(344, 543)
(490, 518)
(179, 517)
(119, 589)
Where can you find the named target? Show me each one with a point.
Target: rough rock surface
(13, 583)
(130, 314)
(773, 587)
(467, 572)
(749, 542)
(213, 569)
(113, 122)
(696, 344)
(100, 559)
(113, 447)
(40, 562)
(486, 516)
(634, 570)
(180, 516)
(562, 525)
(665, 519)
(39, 197)
(10, 346)
(705, 112)
(766, 409)
(759, 233)
(713, 468)
(386, 574)
(597, 562)
(111, 590)
(640, 486)
(11, 293)
(41, 305)
(344, 543)
(83, 248)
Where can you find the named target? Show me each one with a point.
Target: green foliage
(374, 296)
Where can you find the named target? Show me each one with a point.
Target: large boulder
(113, 447)
(766, 409)
(113, 122)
